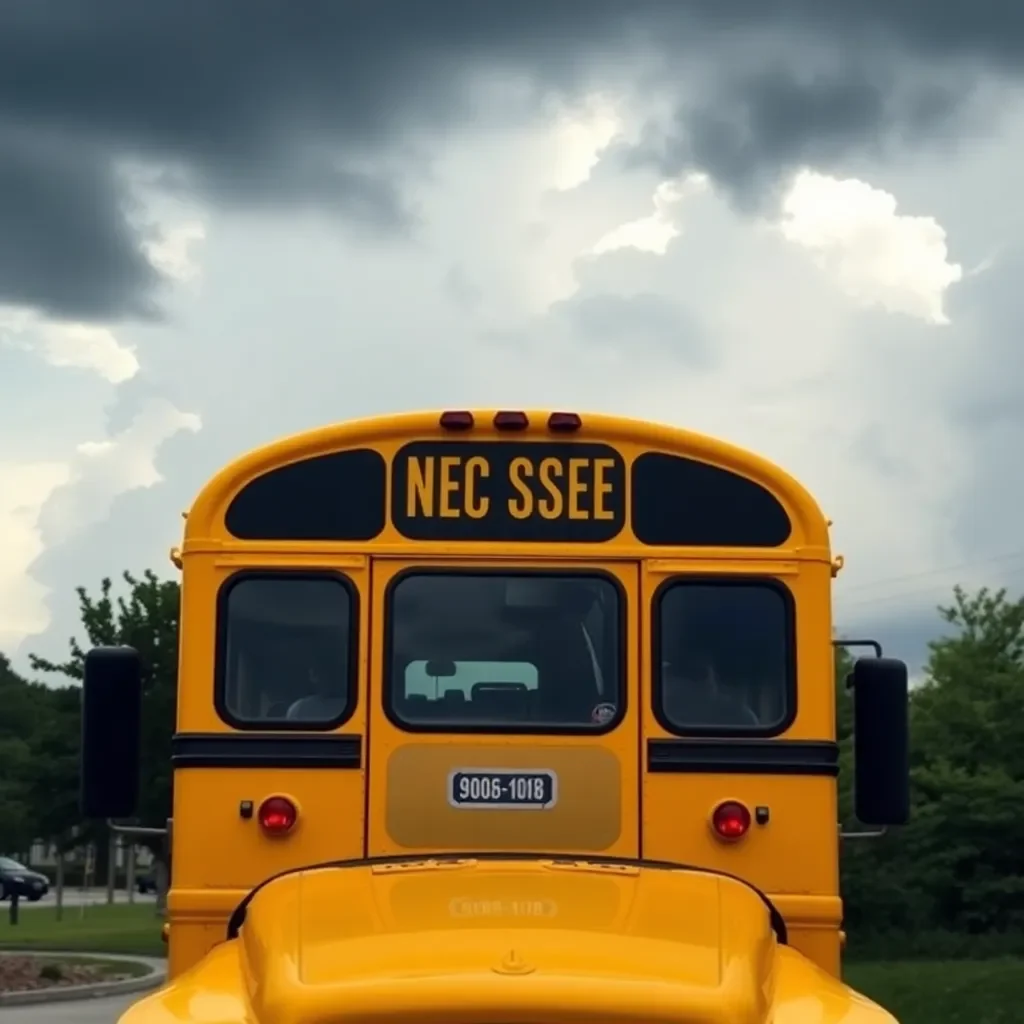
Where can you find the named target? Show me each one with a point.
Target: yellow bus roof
(387, 434)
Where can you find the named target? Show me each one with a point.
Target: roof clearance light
(564, 422)
(511, 420)
(277, 815)
(457, 420)
(730, 821)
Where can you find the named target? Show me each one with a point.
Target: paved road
(78, 1011)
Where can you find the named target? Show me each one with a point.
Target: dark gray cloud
(754, 126)
(268, 102)
(65, 243)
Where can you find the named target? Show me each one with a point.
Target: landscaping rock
(20, 973)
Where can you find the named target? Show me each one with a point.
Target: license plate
(503, 788)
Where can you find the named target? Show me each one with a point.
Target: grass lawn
(950, 992)
(120, 928)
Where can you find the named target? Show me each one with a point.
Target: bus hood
(506, 942)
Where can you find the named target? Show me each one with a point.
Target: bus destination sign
(505, 490)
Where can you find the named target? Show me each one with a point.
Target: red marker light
(564, 422)
(277, 815)
(730, 820)
(457, 420)
(511, 420)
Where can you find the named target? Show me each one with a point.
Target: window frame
(220, 703)
(512, 729)
(790, 692)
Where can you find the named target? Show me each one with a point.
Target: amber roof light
(564, 422)
(457, 420)
(509, 420)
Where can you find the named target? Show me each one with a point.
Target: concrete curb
(61, 994)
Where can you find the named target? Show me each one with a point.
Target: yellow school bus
(504, 716)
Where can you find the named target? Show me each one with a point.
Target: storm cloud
(337, 104)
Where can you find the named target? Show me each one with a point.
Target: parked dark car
(16, 878)
(145, 883)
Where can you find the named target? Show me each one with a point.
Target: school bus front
(538, 638)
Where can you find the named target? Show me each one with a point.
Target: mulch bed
(26, 973)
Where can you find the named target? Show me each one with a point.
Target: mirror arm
(869, 834)
(873, 644)
(134, 830)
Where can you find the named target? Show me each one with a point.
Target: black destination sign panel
(506, 490)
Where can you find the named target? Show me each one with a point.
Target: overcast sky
(796, 225)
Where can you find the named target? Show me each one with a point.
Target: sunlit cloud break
(874, 254)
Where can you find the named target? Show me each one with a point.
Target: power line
(885, 581)
(936, 589)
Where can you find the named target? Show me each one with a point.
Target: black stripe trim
(253, 750)
(744, 757)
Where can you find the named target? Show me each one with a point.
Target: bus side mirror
(111, 732)
(881, 741)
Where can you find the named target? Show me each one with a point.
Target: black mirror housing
(881, 741)
(111, 732)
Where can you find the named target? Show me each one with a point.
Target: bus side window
(726, 656)
(287, 653)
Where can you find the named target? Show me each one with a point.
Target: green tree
(23, 711)
(872, 880)
(146, 618)
(958, 865)
(15, 816)
(968, 766)
(53, 779)
(842, 667)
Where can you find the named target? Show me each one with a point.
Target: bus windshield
(487, 649)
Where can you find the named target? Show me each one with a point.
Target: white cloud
(67, 344)
(171, 253)
(167, 215)
(874, 254)
(580, 140)
(654, 232)
(88, 347)
(47, 504)
(24, 490)
(100, 471)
